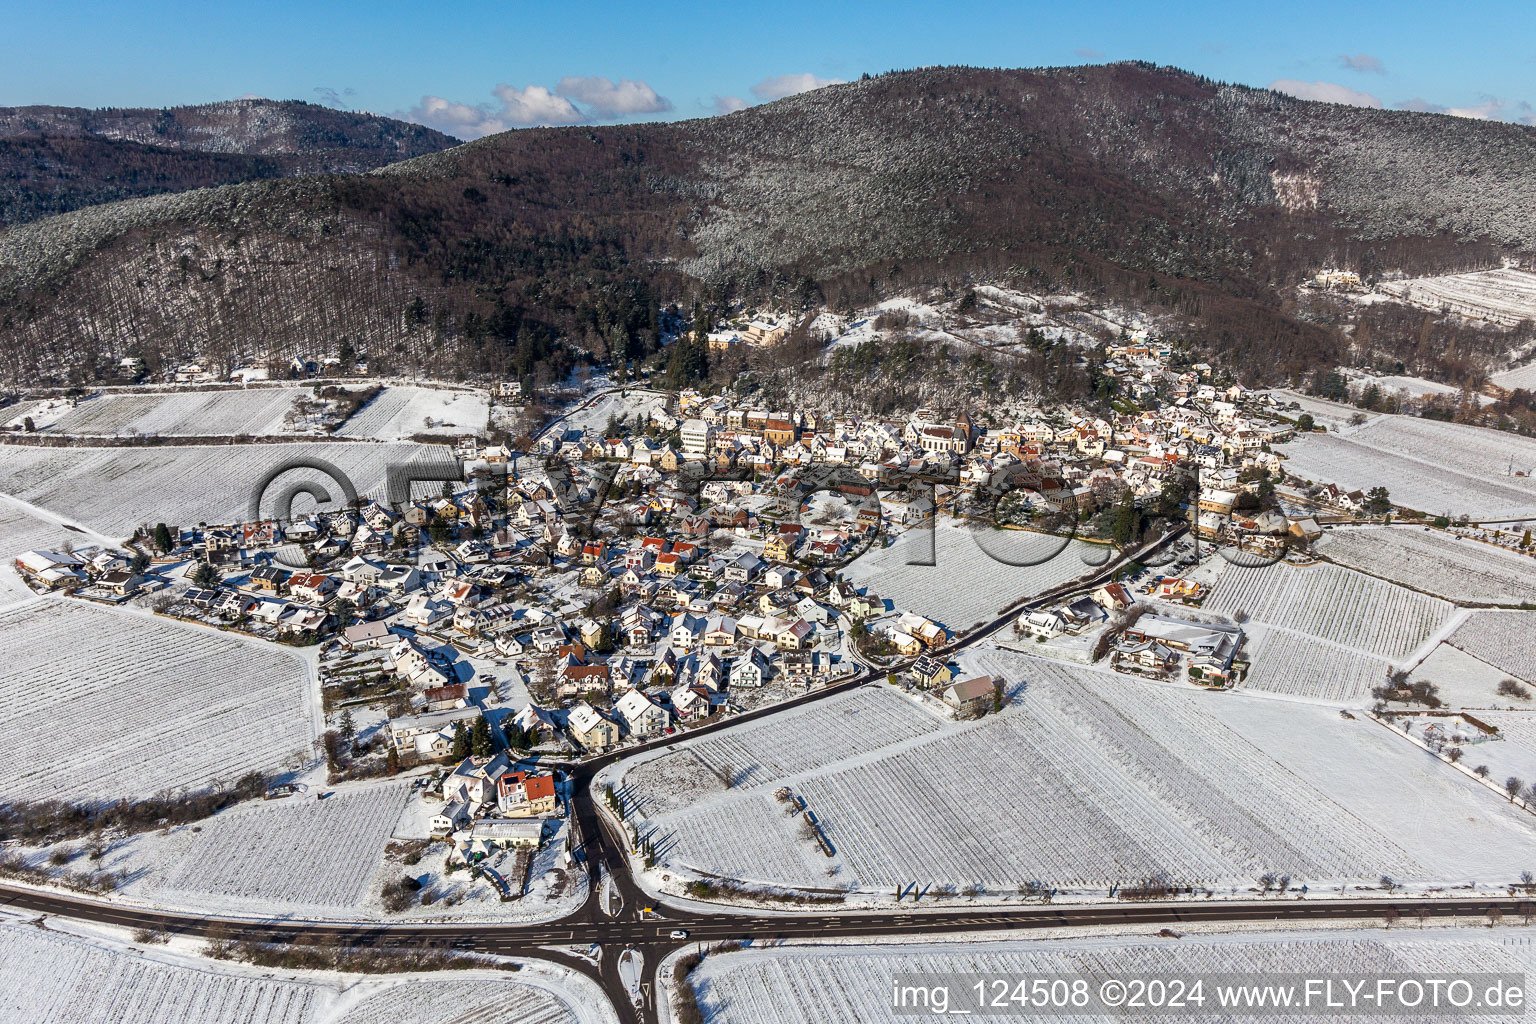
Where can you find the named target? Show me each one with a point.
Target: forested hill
(1140, 183)
(57, 159)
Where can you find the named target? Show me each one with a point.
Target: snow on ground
(115, 490)
(867, 718)
(854, 984)
(1437, 468)
(256, 411)
(53, 976)
(1433, 561)
(1503, 639)
(966, 584)
(288, 856)
(21, 529)
(636, 404)
(1290, 664)
(1135, 779)
(1504, 296)
(1331, 603)
(134, 704)
(326, 855)
(403, 411)
(1464, 681)
(1336, 416)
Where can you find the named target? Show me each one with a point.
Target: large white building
(696, 436)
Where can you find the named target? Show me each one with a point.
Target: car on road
(679, 933)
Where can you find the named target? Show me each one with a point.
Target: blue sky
(471, 68)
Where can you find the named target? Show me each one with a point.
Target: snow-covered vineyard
(1136, 779)
(115, 490)
(854, 984)
(1459, 570)
(259, 412)
(1325, 601)
(298, 854)
(134, 704)
(1436, 468)
(1504, 296)
(1302, 666)
(51, 977)
(400, 411)
(1504, 639)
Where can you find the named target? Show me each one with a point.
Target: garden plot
(1435, 562)
(115, 490)
(136, 705)
(854, 984)
(1503, 639)
(1514, 750)
(1090, 779)
(774, 747)
(255, 411)
(965, 585)
(1437, 468)
(1331, 603)
(1286, 663)
(298, 852)
(403, 411)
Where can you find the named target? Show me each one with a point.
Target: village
(592, 588)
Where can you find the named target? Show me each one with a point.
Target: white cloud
(778, 86)
(1088, 53)
(520, 108)
(1488, 108)
(729, 104)
(1326, 92)
(535, 104)
(605, 99)
(1362, 62)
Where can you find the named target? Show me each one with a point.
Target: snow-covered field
(1290, 664)
(1092, 779)
(863, 719)
(1335, 416)
(1505, 296)
(126, 704)
(255, 411)
(1435, 562)
(402, 411)
(115, 490)
(636, 405)
(1504, 639)
(853, 984)
(1437, 468)
(50, 976)
(296, 854)
(1326, 601)
(966, 585)
(21, 530)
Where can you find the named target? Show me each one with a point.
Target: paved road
(604, 848)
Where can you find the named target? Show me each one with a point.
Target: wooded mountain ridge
(57, 159)
(1145, 185)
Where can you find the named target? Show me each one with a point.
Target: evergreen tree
(348, 726)
(163, 540)
(392, 760)
(460, 742)
(480, 743)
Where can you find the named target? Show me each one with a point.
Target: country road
(601, 844)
